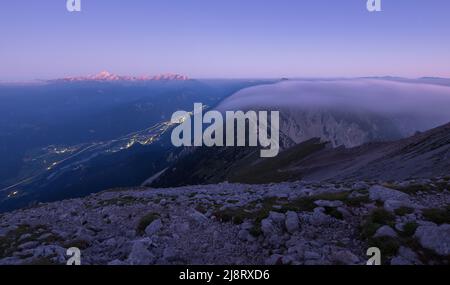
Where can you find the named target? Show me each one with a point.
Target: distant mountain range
(107, 76)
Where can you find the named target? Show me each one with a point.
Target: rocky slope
(423, 155)
(287, 223)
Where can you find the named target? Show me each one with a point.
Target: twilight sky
(224, 38)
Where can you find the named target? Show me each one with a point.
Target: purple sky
(227, 39)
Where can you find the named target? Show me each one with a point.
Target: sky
(224, 39)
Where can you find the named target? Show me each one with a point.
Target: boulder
(268, 227)
(391, 205)
(198, 217)
(140, 254)
(409, 254)
(272, 232)
(385, 231)
(153, 228)
(436, 238)
(380, 193)
(345, 257)
(319, 218)
(278, 218)
(292, 222)
(243, 235)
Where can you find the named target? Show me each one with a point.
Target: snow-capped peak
(107, 76)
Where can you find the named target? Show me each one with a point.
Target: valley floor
(294, 223)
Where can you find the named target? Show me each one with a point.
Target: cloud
(427, 105)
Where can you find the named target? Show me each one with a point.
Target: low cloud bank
(427, 105)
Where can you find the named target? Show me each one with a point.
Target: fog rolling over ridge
(348, 112)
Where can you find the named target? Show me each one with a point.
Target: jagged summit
(107, 76)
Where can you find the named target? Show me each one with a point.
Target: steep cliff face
(337, 127)
(348, 112)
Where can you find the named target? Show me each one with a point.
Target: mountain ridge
(423, 155)
(107, 76)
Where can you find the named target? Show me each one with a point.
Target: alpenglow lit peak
(107, 76)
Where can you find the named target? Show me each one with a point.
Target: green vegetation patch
(415, 188)
(79, 243)
(402, 211)
(376, 219)
(121, 201)
(438, 216)
(22, 234)
(388, 246)
(409, 229)
(331, 211)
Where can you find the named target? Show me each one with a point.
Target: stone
(54, 252)
(28, 245)
(327, 203)
(436, 238)
(398, 260)
(287, 259)
(380, 193)
(12, 260)
(170, 254)
(110, 242)
(292, 222)
(345, 213)
(116, 262)
(45, 236)
(345, 257)
(399, 226)
(298, 251)
(130, 234)
(278, 218)
(311, 255)
(275, 259)
(183, 227)
(198, 217)
(243, 235)
(84, 234)
(391, 205)
(385, 231)
(272, 232)
(268, 227)
(140, 255)
(153, 228)
(318, 218)
(359, 186)
(24, 237)
(409, 255)
(246, 225)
